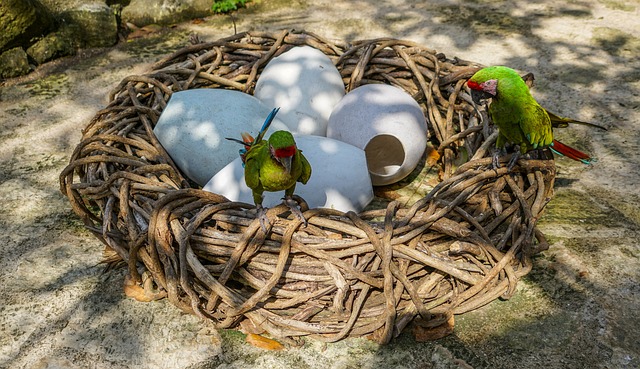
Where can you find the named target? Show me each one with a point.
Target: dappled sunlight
(578, 305)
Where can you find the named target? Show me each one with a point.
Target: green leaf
(226, 6)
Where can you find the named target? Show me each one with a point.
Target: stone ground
(577, 309)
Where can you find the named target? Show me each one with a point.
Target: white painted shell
(388, 124)
(306, 86)
(339, 177)
(194, 124)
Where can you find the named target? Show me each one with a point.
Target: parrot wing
(306, 169)
(253, 161)
(536, 126)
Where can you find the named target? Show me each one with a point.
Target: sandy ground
(577, 309)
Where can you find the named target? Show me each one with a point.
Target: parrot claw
(262, 216)
(495, 160)
(514, 159)
(293, 206)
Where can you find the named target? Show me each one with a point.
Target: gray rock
(14, 63)
(118, 2)
(21, 21)
(54, 45)
(91, 25)
(143, 12)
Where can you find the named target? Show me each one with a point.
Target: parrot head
(283, 147)
(490, 82)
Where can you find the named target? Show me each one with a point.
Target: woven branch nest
(465, 244)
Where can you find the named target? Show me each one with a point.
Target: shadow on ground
(577, 308)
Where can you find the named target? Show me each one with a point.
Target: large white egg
(339, 177)
(306, 86)
(194, 124)
(388, 124)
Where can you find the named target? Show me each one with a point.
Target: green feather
(263, 172)
(518, 116)
(281, 139)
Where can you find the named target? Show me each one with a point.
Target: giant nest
(465, 241)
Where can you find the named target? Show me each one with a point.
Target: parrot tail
(562, 122)
(562, 149)
(248, 140)
(266, 125)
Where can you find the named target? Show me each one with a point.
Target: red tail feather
(570, 152)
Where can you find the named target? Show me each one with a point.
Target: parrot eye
(490, 87)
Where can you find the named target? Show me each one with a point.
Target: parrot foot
(295, 210)
(514, 159)
(495, 159)
(262, 216)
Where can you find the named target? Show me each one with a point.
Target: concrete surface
(577, 309)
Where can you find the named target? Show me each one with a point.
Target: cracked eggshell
(339, 177)
(306, 86)
(194, 124)
(388, 124)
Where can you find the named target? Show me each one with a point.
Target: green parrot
(273, 165)
(518, 116)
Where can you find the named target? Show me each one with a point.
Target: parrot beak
(478, 96)
(286, 163)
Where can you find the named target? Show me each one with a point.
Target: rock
(193, 126)
(54, 45)
(21, 21)
(14, 63)
(118, 2)
(339, 178)
(143, 12)
(92, 25)
(306, 86)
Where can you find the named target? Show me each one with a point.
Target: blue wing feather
(249, 144)
(266, 125)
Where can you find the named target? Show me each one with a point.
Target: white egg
(339, 177)
(388, 124)
(194, 124)
(306, 86)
